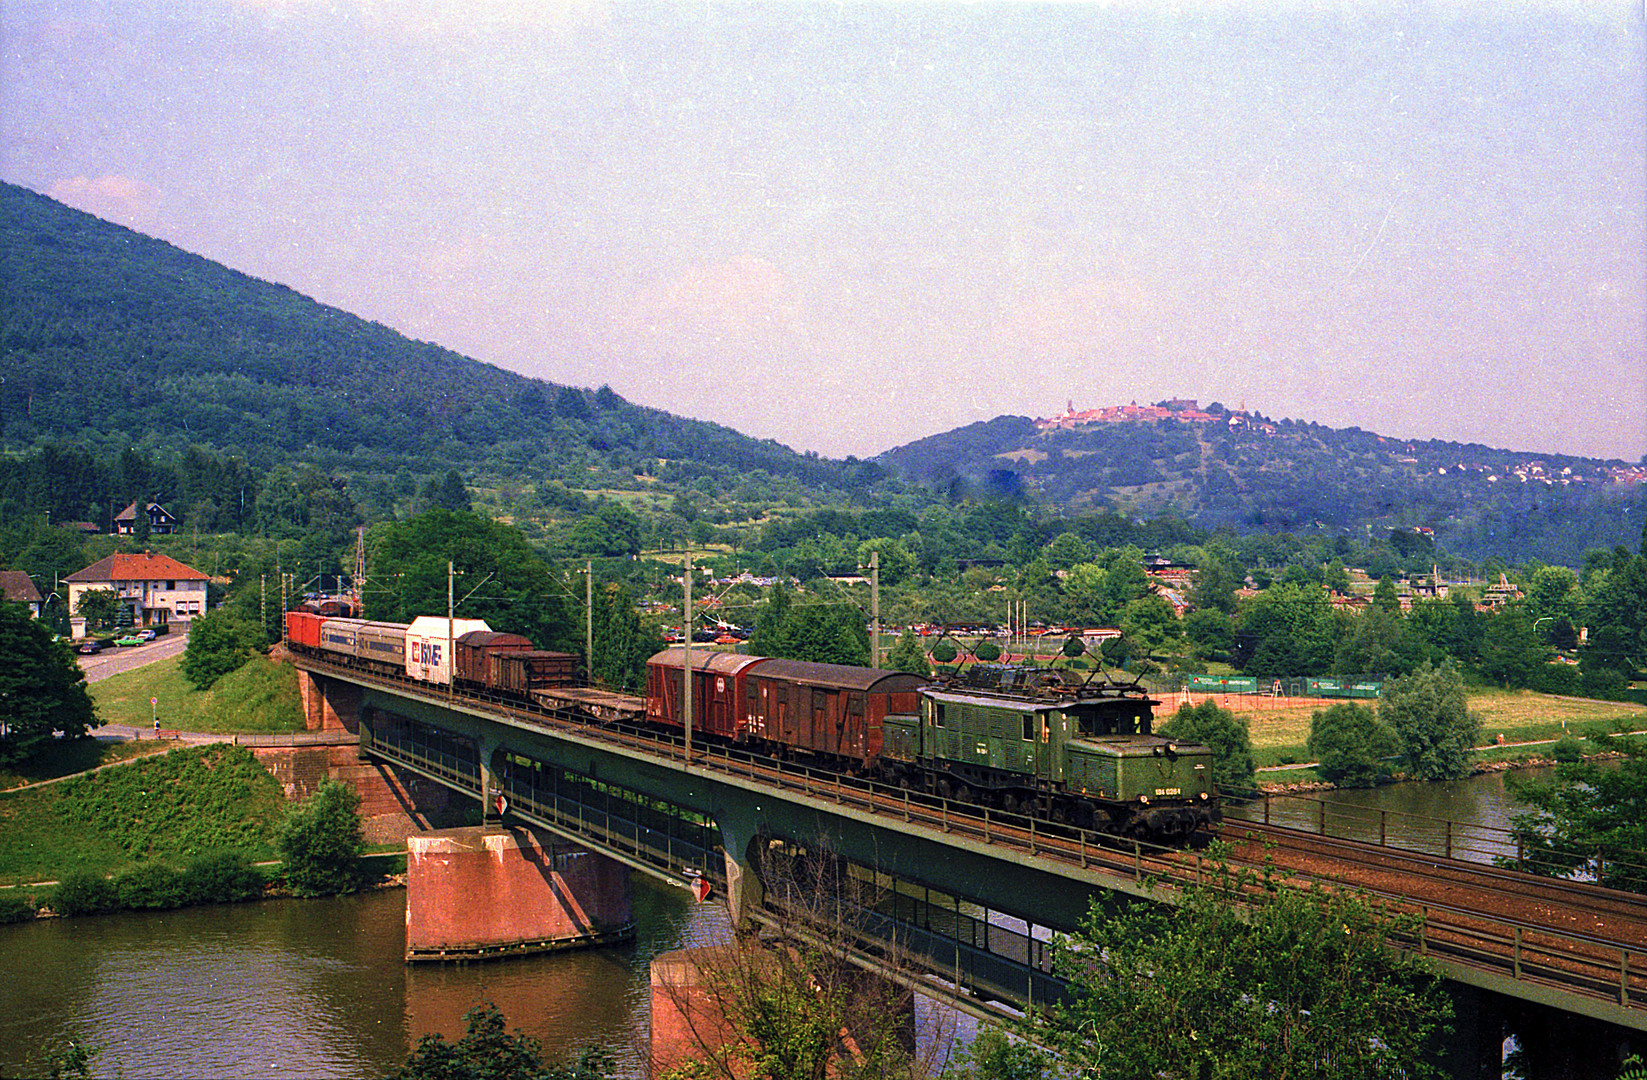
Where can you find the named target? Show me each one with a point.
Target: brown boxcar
(717, 691)
(521, 671)
(829, 709)
(474, 651)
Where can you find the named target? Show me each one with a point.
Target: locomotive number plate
(1169, 791)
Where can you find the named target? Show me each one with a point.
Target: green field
(260, 698)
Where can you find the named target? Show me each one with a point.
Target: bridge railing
(1581, 964)
(1465, 840)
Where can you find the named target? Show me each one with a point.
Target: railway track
(1570, 935)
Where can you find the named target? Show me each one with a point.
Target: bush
(1568, 748)
(149, 886)
(226, 876)
(1555, 679)
(84, 893)
(1350, 743)
(15, 908)
(320, 840)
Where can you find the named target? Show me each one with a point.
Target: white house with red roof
(158, 588)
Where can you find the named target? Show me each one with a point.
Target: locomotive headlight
(1144, 799)
(1172, 748)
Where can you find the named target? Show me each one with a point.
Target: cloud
(114, 198)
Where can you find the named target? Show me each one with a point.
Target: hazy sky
(846, 226)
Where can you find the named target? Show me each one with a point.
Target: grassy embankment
(169, 807)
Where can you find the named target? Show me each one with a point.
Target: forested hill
(111, 339)
(1253, 474)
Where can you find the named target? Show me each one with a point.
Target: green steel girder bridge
(961, 902)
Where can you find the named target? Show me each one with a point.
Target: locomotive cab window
(1029, 727)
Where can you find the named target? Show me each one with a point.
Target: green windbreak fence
(1292, 687)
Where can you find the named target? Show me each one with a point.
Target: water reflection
(315, 988)
(1464, 818)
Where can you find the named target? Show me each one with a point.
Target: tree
(822, 633)
(218, 644)
(98, 607)
(1385, 597)
(622, 643)
(1430, 716)
(1232, 765)
(908, 656)
(1151, 623)
(1351, 743)
(486, 1051)
(42, 689)
(321, 842)
(1511, 654)
(1209, 631)
(1589, 816)
(1244, 976)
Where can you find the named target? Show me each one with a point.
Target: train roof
(495, 639)
(1061, 698)
(721, 663)
(841, 676)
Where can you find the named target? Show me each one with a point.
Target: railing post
(1516, 957)
(1423, 926)
(1449, 838)
(1624, 977)
(986, 825)
(1383, 830)
(1321, 816)
(1266, 809)
(1137, 860)
(1032, 835)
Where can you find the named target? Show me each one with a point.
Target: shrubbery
(217, 877)
(321, 841)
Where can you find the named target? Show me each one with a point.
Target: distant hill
(111, 338)
(1249, 473)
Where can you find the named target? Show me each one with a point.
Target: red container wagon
(303, 629)
(474, 650)
(521, 671)
(829, 709)
(718, 697)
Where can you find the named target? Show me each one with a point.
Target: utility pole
(686, 658)
(589, 619)
(451, 680)
(875, 609)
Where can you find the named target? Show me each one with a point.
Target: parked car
(91, 647)
(129, 639)
(145, 634)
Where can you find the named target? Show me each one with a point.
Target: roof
(130, 512)
(18, 587)
(145, 567)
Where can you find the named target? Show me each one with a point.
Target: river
(318, 988)
(309, 988)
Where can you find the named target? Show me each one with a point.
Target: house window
(171, 586)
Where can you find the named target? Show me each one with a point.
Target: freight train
(1084, 754)
(1027, 742)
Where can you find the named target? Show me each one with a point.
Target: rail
(1586, 965)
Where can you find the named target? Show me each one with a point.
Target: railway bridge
(972, 897)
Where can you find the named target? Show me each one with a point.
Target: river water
(318, 988)
(309, 988)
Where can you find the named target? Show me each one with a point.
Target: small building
(157, 588)
(18, 588)
(161, 521)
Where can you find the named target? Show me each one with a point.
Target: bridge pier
(328, 704)
(1557, 1045)
(487, 891)
(739, 840)
(703, 998)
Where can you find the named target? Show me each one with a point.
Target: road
(114, 661)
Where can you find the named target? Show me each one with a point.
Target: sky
(847, 226)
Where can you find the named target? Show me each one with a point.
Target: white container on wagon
(429, 646)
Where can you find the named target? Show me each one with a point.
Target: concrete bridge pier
(492, 802)
(488, 891)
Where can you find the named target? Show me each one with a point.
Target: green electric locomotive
(1081, 754)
